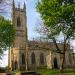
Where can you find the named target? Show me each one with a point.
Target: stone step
(24, 73)
(29, 73)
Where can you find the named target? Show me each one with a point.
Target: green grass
(55, 72)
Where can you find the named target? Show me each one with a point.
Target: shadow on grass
(55, 72)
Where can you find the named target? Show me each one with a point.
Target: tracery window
(41, 59)
(23, 59)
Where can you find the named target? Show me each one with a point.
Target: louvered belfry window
(18, 22)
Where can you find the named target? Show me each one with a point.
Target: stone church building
(32, 53)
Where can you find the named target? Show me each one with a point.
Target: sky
(32, 16)
(32, 20)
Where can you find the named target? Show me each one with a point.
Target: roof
(38, 45)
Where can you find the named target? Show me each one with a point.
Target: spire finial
(13, 4)
(19, 5)
(24, 7)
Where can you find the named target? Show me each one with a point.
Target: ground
(43, 72)
(56, 72)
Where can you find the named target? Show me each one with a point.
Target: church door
(15, 65)
(55, 63)
(33, 59)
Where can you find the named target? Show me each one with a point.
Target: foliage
(7, 34)
(58, 16)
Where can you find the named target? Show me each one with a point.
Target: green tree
(58, 16)
(7, 34)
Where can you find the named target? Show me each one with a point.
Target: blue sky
(32, 16)
(32, 20)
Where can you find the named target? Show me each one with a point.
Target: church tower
(17, 52)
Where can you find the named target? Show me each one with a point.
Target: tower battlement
(19, 21)
(18, 8)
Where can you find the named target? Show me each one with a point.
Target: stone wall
(2, 73)
(37, 57)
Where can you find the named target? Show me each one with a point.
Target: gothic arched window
(41, 59)
(23, 59)
(18, 22)
(33, 58)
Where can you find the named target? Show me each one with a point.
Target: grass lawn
(55, 72)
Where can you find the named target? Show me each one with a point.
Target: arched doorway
(55, 63)
(33, 58)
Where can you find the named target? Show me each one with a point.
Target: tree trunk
(9, 57)
(62, 59)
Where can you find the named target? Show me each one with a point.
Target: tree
(58, 16)
(7, 34)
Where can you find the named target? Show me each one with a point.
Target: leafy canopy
(58, 16)
(7, 34)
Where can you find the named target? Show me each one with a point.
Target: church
(25, 54)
